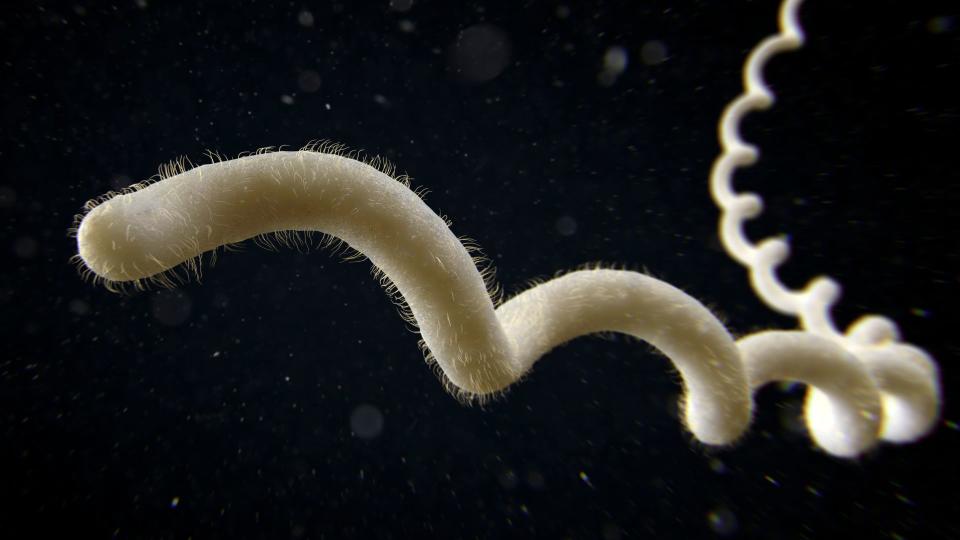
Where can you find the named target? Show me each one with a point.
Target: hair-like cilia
(864, 384)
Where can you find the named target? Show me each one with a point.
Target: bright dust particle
(585, 478)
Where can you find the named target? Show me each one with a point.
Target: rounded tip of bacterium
(93, 244)
(111, 246)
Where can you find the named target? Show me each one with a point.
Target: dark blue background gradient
(223, 409)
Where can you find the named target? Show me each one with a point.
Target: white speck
(305, 18)
(585, 479)
(615, 60)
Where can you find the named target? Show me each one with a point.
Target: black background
(223, 409)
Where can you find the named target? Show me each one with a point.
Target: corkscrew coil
(905, 376)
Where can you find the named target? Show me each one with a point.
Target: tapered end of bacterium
(114, 245)
(96, 244)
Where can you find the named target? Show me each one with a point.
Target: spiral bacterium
(864, 384)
